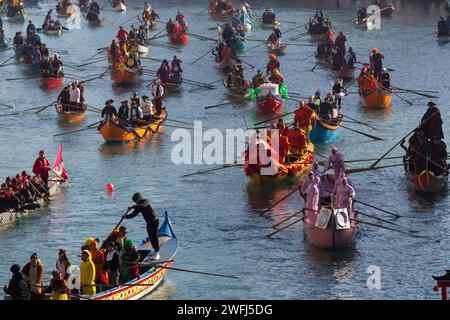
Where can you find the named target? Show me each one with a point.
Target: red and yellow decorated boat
(113, 131)
(52, 82)
(125, 75)
(71, 113)
(427, 182)
(151, 272)
(269, 100)
(280, 171)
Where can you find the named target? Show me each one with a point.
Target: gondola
(325, 131)
(330, 228)
(113, 131)
(71, 114)
(151, 272)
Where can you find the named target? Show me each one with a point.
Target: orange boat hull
(126, 76)
(377, 99)
(427, 182)
(70, 116)
(113, 132)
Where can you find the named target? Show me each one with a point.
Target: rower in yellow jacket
(87, 274)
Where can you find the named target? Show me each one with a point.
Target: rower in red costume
(42, 166)
(304, 116)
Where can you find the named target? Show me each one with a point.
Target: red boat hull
(270, 104)
(427, 182)
(179, 38)
(52, 82)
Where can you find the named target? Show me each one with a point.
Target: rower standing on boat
(157, 92)
(312, 200)
(151, 219)
(268, 16)
(344, 195)
(335, 161)
(443, 27)
(376, 63)
(339, 91)
(433, 126)
(109, 111)
(42, 167)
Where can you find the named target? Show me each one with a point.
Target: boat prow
(427, 182)
(377, 99)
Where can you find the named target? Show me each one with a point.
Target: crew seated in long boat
(52, 67)
(21, 192)
(71, 98)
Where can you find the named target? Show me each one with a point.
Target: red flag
(59, 165)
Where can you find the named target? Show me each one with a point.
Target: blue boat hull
(320, 134)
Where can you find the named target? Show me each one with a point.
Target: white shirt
(132, 113)
(75, 95)
(147, 108)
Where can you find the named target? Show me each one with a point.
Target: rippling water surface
(215, 215)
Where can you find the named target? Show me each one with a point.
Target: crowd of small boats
(330, 217)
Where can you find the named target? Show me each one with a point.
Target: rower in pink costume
(309, 179)
(344, 195)
(335, 161)
(312, 200)
(339, 180)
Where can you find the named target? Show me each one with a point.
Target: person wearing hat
(42, 167)
(58, 287)
(136, 98)
(151, 219)
(385, 79)
(175, 69)
(157, 92)
(130, 261)
(63, 263)
(335, 161)
(148, 110)
(112, 264)
(437, 151)
(109, 111)
(376, 63)
(34, 270)
(273, 63)
(304, 116)
(98, 258)
(304, 186)
(18, 285)
(431, 123)
(258, 79)
(124, 110)
(135, 113)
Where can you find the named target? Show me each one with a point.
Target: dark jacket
(146, 209)
(18, 287)
(115, 263)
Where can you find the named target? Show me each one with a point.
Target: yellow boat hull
(114, 132)
(377, 99)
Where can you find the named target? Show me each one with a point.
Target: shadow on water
(119, 148)
(262, 196)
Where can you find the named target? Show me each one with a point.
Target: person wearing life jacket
(273, 63)
(304, 117)
(98, 258)
(297, 139)
(376, 63)
(87, 274)
(276, 77)
(258, 79)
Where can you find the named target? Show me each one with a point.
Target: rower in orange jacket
(304, 116)
(297, 139)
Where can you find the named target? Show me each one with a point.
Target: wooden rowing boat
(387, 11)
(427, 182)
(113, 131)
(221, 14)
(151, 273)
(120, 7)
(54, 31)
(100, 22)
(235, 88)
(51, 81)
(270, 25)
(10, 215)
(330, 228)
(376, 98)
(298, 168)
(123, 75)
(325, 131)
(269, 99)
(278, 49)
(72, 114)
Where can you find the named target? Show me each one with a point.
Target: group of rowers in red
(21, 191)
(178, 26)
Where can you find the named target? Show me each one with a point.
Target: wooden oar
(59, 176)
(200, 37)
(277, 117)
(377, 208)
(312, 70)
(395, 145)
(7, 105)
(92, 62)
(288, 218)
(45, 107)
(89, 127)
(373, 159)
(23, 78)
(358, 121)
(285, 227)
(161, 31)
(198, 272)
(215, 169)
(278, 202)
(385, 221)
(201, 56)
(416, 92)
(250, 65)
(219, 105)
(309, 56)
(362, 133)
(396, 230)
(9, 114)
(395, 94)
(4, 62)
(359, 170)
